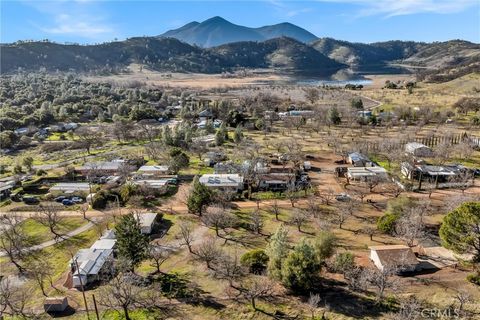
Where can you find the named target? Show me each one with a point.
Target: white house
(418, 149)
(225, 182)
(393, 256)
(92, 263)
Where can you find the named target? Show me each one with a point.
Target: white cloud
(78, 18)
(83, 26)
(390, 8)
(287, 8)
(293, 13)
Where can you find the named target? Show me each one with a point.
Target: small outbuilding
(418, 149)
(55, 304)
(358, 160)
(148, 221)
(394, 256)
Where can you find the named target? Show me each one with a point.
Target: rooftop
(221, 180)
(71, 186)
(153, 168)
(395, 255)
(146, 219)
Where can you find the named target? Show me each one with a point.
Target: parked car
(76, 200)
(343, 197)
(30, 200)
(172, 181)
(67, 202)
(60, 198)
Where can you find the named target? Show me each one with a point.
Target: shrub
(474, 278)
(255, 260)
(99, 201)
(387, 222)
(344, 262)
(41, 172)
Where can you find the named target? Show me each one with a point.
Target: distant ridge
(218, 31)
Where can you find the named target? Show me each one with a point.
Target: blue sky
(90, 21)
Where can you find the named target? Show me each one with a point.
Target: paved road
(50, 243)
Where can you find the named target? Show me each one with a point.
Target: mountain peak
(217, 31)
(216, 19)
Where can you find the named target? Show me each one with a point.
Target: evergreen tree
(219, 138)
(237, 134)
(301, 268)
(131, 243)
(460, 230)
(334, 116)
(277, 251)
(200, 197)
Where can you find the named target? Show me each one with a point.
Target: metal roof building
(230, 181)
(70, 187)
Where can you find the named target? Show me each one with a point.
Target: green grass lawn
(41, 233)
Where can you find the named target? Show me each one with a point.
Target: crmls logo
(440, 314)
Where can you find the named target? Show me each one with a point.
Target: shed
(358, 159)
(418, 149)
(393, 256)
(147, 221)
(55, 304)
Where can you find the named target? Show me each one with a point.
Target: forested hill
(166, 54)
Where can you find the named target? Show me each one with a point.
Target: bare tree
(14, 300)
(48, 215)
(463, 297)
(299, 217)
(82, 209)
(410, 309)
(275, 209)
(382, 280)
(257, 287)
(120, 293)
(40, 270)
(313, 304)
(89, 138)
(14, 242)
(340, 217)
(186, 232)
(327, 196)
(361, 194)
(369, 231)
(292, 195)
(313, 208)
(410, 227)
(208, 251)
(228, 267)
(158, 255)
(257, 221)
(372, 182)
(218, 219)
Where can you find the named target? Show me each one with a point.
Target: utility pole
(81, 287)
(95, 305)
